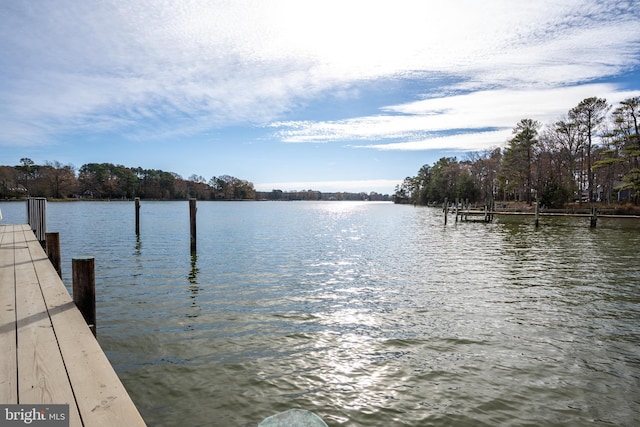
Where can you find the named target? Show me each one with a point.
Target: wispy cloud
(472, 141)
(471, 121)
(149, 69)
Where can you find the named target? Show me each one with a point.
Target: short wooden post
(137, 202)
(537, 213)
(192, 218)
(594, 217)
(53, 250)
(84, 289)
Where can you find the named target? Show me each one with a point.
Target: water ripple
(367, 314)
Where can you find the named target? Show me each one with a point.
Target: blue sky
(330, 95)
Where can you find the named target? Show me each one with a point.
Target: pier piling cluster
(464, 211)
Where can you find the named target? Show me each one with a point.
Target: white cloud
(164, 67)
(474, 141)
(463, 119)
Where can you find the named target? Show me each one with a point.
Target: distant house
(624, 194)
(14, 189)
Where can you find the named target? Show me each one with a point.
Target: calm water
(368, 314)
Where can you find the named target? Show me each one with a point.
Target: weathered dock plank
(8, 363)
(42, 376)
(58, 358)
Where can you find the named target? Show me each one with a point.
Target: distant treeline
(108, 181)
(587, 156)
(317, 195)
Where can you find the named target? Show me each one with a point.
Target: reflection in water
(193, 281)
(138, 258)
(193, 272)
(367, 314)
(138, 251)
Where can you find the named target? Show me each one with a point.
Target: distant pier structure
(464, 211)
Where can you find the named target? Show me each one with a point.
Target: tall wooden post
(137, 202)
(84, 289)
(537, 213)
(192, 220)
(53, 250)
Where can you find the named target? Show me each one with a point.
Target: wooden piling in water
(446, 209)
(192, 220)
(457, 208)
(84, 289)
(537, 214)
(53, 251)
(137, 203)
(594, 217)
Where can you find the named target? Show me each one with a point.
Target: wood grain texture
(8, 363)
(42, 375)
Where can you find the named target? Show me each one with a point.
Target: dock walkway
(48, 354)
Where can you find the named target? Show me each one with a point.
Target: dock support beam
(53, 251)
(84, 289)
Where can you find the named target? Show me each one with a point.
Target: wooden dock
(48, 353)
